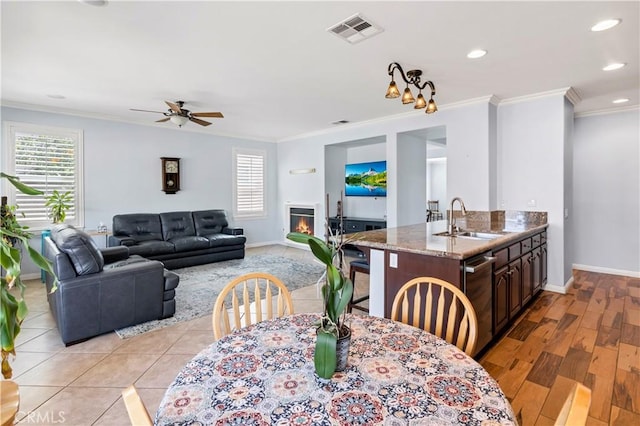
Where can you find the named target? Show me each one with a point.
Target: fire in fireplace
(301, 220)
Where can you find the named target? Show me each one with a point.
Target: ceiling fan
(180, 116)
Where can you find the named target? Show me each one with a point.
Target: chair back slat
(417, 300)
(246, 293)
(268, 297)
(246, 301)
(138, 413)
(447, 312)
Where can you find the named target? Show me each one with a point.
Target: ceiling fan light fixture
(180, 120)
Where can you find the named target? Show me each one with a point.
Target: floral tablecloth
(396, 375)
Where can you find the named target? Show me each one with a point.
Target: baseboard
(588, 268)
(558, 288)
(32, 276)
(264, 243)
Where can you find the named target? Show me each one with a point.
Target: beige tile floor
(81, 384)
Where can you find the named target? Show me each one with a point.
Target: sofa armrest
(114, 254)
(233, 231)
(121, 241)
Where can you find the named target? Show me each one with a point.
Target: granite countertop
(420, 238)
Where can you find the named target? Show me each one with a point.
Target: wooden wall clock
(170, 174)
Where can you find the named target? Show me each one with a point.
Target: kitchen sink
(473, 235)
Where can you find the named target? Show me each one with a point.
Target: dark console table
(355, 224)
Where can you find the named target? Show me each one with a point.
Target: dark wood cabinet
(514, 278)
(527, 277)
(520, 271)
(500, 299)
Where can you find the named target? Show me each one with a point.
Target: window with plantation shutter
(249, 183)
(47, 159)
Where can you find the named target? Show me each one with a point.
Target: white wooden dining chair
(576, 407)
(138, 413)
(254, 297)
(9, 401)
(440, 308)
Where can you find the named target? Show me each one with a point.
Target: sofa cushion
(219, 240)
(209, 222)
(151, 248)
(189, 243)
(176, 225)
(80, 247)
(138, 226)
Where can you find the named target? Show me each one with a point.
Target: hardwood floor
(590, 335)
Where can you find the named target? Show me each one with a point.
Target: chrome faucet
(451, 222)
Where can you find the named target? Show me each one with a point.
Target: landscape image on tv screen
(366, 179)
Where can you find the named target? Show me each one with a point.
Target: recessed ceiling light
(612, 67)
(475, 54)
(621, 101)
(94, 2)
(605, 25)
(56, 96)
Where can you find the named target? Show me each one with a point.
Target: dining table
(396, 374)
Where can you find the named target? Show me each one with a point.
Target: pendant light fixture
(411, 77)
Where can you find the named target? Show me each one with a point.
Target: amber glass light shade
(420, 102)
(431, 107)
(392, 91)
(407, 96)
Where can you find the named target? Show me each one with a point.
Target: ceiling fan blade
(208, 114)
(145, 110)
(162, 120)
(198, 121)
(174, 107)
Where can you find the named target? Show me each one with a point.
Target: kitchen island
(500, 264)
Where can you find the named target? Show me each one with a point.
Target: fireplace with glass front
(301, 220)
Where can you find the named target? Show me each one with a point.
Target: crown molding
(568, 92)
(387, 118)
(607, 111)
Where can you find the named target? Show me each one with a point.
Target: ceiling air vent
(355, 28)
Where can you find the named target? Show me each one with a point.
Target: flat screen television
(366, 179)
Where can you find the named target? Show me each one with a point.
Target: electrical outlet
(393, 260)
(531, 203)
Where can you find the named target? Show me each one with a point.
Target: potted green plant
(336, 294)
(13, 308)
(58, 205)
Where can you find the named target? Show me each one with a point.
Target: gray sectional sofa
(179, 239)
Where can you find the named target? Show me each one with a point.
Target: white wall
(123, 174)
(531, 159)
(467, 153)
(437, 183)
(606, 191)
(412, 182)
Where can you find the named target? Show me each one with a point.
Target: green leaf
(345, 297)
(25, 189)
(321, 251)
(324, 357)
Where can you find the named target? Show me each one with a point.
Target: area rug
(200, 285)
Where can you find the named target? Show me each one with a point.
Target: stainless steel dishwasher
(477, 285)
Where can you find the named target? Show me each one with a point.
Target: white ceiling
(275, 72)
